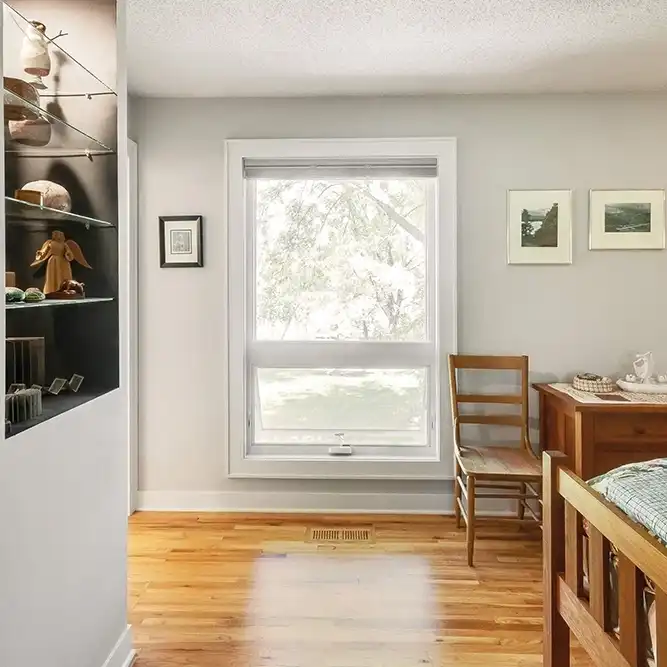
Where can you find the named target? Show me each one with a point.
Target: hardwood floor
(212, 590)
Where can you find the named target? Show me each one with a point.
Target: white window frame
(438, 464)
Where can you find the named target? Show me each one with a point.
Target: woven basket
(593, 384)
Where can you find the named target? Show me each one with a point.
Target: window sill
(352, 467)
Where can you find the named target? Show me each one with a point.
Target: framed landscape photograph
(181, 241)
(539, 227)
(627, 219)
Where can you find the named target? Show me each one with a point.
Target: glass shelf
(50, 303)
(24, 213)
(66, 140)
(74, 78)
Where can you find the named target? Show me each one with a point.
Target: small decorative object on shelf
(35, 132)
(23, 405)
(30, 196)
(14, 109)
(58, 253)
(26, 360)
(643, 380)
(14, 295)
(35, 58)
(595, 384)
(73, 286)
(69, 289)
(75, 383)
(10, 279)
(57, 386)
(53, 195)
(34, 294)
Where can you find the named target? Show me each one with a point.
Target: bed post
(556, 631)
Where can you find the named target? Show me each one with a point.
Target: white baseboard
(122, 654)
(225, 501)
(320, 503)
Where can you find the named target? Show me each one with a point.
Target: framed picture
(627, 219)
(539, 227)
(181, 241)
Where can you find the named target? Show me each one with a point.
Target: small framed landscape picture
(539, 227)
(181, 241)
(627, 219)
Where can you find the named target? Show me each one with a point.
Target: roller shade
(345, 168)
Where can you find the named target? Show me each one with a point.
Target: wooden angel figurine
(58, 253)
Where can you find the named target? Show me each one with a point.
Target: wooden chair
(502, 471)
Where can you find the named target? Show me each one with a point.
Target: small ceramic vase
(35, 58)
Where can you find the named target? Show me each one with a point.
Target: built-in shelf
(66, 140)
(51, 303)
(80, 81)
(57, 405)
(21, 213)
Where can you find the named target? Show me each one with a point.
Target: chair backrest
(490, 363)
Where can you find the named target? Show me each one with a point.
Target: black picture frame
(193, 229)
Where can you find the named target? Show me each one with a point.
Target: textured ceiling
(236, 48)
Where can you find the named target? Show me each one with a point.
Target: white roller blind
(346, 168)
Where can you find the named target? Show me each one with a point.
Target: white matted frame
(602, 201)
(520, 200)
(244, 460)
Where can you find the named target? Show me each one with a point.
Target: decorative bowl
(643, 387)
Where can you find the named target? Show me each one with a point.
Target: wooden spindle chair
(499, 471)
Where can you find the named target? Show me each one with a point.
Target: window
(338, 316)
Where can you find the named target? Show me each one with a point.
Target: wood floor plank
(230, 590)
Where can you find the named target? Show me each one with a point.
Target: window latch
(341, 449)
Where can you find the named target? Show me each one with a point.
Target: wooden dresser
(600, 436)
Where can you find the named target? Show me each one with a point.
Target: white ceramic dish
(642, 387)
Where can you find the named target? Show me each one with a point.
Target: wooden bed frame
(567, 499)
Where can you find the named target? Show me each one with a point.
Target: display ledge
(57, 405)
(50, 303)
(22, 212)
(66, 140)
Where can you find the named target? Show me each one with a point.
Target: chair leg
(521, 510)
(457, 495)
(470, 526)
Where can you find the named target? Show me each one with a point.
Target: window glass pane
(341, 260)
(371, 407)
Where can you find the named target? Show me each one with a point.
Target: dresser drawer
(616, 427)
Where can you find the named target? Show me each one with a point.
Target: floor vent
(341, 535)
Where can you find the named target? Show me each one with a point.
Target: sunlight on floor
(373, 609)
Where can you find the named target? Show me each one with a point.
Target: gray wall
(592, 315)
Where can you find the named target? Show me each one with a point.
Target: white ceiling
(239, 48)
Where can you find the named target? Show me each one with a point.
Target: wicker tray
(593, 384)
